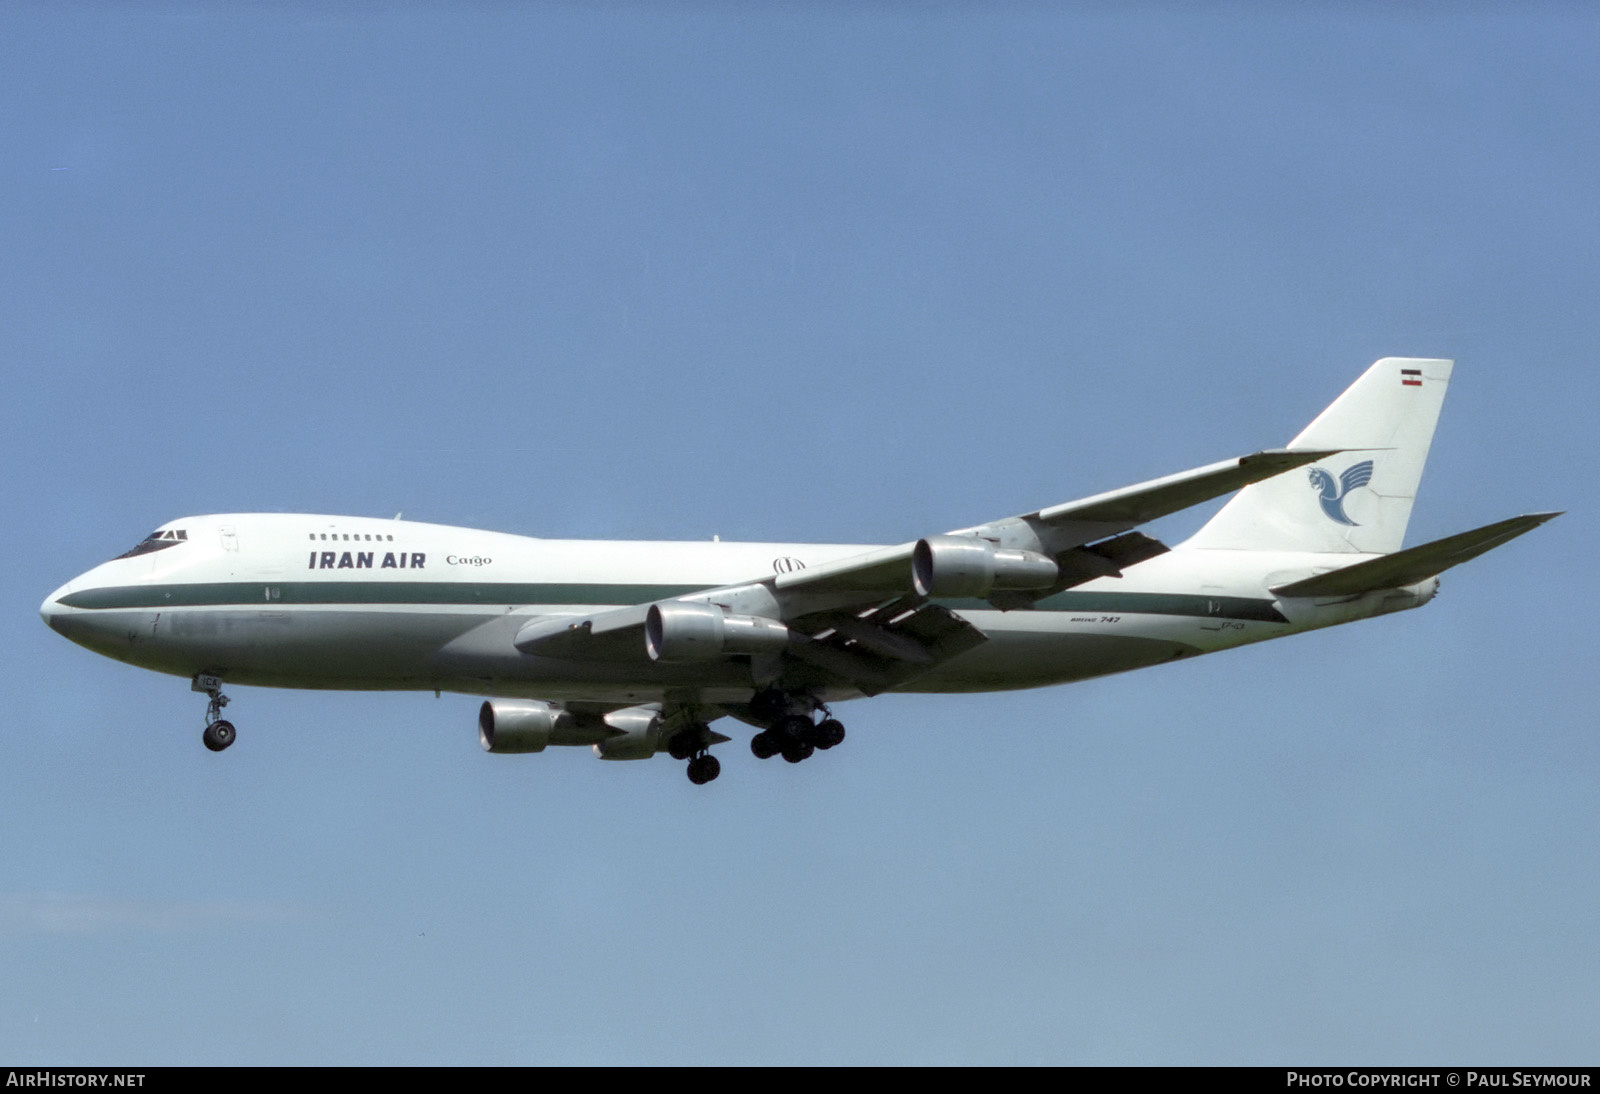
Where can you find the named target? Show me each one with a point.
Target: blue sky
(819, 273)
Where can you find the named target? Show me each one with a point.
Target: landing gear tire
(797, 751)
(793, 736)
(829, 733)
(218, 735)
(702, 769)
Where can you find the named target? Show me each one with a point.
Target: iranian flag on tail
(1411, 377)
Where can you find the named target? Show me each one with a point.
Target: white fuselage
(286, 600)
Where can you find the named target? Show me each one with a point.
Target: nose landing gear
(219, 732)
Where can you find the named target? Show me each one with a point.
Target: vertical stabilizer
(1359, 501)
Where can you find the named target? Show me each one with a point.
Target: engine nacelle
(518, 725)
(686, 630)
(636, 735)
(969, 566)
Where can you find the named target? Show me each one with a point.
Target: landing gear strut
(219, 732)
(794, 735)
(691, 744)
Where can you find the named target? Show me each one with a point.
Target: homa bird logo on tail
(1332, 494)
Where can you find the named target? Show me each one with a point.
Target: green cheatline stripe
(258, 593)
(1207, 607)
(1221, 607)
(253, 593)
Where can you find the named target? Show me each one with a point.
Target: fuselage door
(1213, 595)
(230, 539)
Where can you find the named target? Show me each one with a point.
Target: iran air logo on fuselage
(1331, 495)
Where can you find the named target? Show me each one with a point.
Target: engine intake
(685, 630)
(518, 725)
(967, 566)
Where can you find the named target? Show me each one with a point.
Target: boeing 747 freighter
(637, 648)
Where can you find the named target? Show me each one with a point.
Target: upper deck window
(360, 537)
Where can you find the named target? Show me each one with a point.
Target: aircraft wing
(871, 649)
(867, 623)
(878, 648)
(1061, 530)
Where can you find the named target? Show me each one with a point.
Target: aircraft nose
(52, 611)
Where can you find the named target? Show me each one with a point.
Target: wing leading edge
(1061, 529)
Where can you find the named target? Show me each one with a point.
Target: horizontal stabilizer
(1415, 563)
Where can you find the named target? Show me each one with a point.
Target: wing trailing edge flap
(881, 647)
(1414, 564)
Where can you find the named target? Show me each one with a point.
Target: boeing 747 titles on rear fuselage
(636, 648)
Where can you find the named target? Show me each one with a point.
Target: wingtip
(1290, 456)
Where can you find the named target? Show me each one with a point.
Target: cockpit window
(158, 540)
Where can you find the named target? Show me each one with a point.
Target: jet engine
(683, 630)
(969, 566)
(636, 734)
(518, 725)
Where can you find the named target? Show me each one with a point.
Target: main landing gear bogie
(702, 769)
(797, 737)
(691, 744)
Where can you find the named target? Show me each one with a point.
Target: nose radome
(52, 610)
